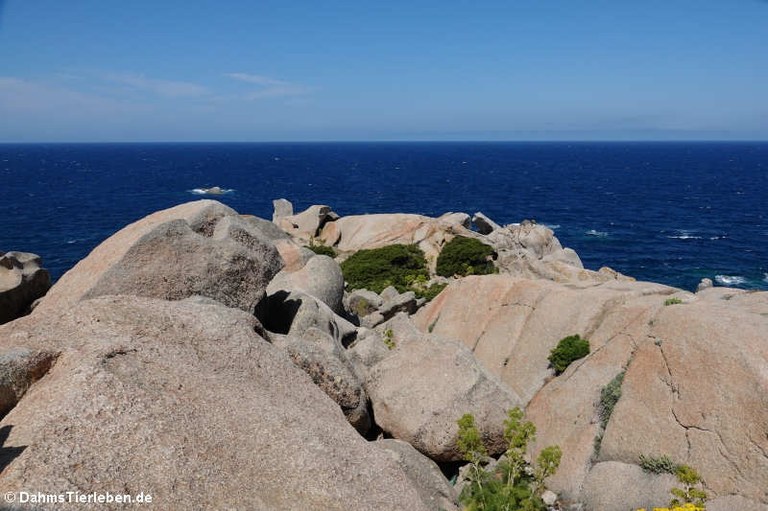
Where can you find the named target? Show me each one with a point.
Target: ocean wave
(684, 234)
(597, 234)
(554, 227)
(214, 190)
(730, 280)
(765, 277)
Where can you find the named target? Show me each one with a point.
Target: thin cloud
(167, 88)
(269, 87)
(26, 96)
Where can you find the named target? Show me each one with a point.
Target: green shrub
(389, 339)
(673, 301)
(658, 464)
(465, 256)
(376, 269)
(609, 396)
(514, 484)
(429, 292)
(689, 494)
(568, 349)
(322, 250)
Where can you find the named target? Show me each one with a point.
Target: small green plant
(690, 493)
(465, 256)
(609, 396)
(515, 484)
(319, 248)
(393, 265)
(569, 349)
(388, 339)
(658, 464)
(672, 301)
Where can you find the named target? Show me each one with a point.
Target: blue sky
(95, 70)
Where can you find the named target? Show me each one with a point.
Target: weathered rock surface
(20, 367)
(320, 277)
(716, 424)
(352, 233)
(186, 402)
(614, 486)
(426, 384)
(425, 474)
(22, 281)
(296, 312)
(325, 361)
(199, 248)
(305, 225)
(362, 302)
(484, 224)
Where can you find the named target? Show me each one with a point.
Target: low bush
(688, 498)
(322, 250)
(672, 301)
(318, 247)
(393, 265)
(465, 256)
(658, 464)
(609, 396)
(569, 349)
(514, 484)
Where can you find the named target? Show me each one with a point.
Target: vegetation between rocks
(378, 268)
(658, 464)
(609, 396)
(465, 256)
(688, 498)
(321, 249)
(568, 350)
(672, 301)
(513, 484)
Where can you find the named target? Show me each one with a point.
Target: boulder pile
(215, 361)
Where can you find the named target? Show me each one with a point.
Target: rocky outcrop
(715, 424)
(185, 401)
(426, 475)
(305, 225)
(352, 233)
(324, 360)
(199, 248)
(22, 281)
(426, 384)
(484, 224)
(319, 277)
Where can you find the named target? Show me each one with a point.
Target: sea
(669, 212)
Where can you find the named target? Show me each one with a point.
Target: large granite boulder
(426, 384)
(22, 281)
(716, 424)
(356, 232)
(324, 359)
(320, 277)
(424, 472)
(305, 225)
(199, 248)
(183, 401)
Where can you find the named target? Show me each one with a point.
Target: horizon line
(400, 141)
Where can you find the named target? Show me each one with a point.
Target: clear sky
(266, 70)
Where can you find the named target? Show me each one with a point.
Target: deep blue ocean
(666, 212)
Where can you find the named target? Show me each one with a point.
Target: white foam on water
(765, 277)
(211, 191)
(730, 280)
(598, 234)
(684, 234)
